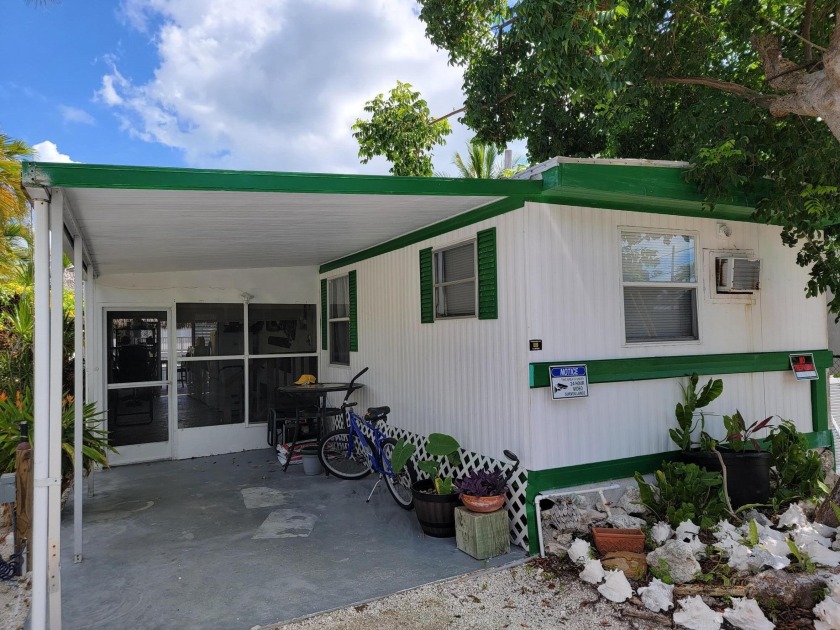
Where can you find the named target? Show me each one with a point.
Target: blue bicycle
(351, 454)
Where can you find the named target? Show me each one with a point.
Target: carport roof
(150, 219)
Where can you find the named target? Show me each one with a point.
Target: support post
(55, 405)
(79, 397)
(41, 409)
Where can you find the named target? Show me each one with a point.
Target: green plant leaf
(402, 452)
(441, 445)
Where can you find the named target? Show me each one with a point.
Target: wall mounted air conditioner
(737, 275)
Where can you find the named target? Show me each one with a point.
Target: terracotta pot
(483, 504)
(614, 539)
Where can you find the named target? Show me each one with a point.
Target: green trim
(159, 178)
(354, 327)
(647, 368)
(462, 220)
(819, 399)
(324, 327)
(653, 189)
(427, 287)
(597, 472)
(488, 301)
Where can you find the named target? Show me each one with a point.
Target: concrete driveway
(232, 542)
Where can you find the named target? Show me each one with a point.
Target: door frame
(149, 451)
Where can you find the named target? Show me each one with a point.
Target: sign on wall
(568, 381)
(803, 367)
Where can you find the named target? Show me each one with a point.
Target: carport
(135, 220)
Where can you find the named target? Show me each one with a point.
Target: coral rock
(631, 501)
(828, 615)
(677, 558)
(782, 589)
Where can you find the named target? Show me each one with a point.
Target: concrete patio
(231, 541)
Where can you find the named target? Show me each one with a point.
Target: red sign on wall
(803, 367)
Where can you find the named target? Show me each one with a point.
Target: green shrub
(797, 471)
(684, 492)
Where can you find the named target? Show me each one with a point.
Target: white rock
(828, 615)
(836, 544)
(739, 557)
(657, 595)
(823, 529)
(793, 517)
(616, 588)
(698, 548)
(677, 559)
(833, 583)
(725, 529)
(631, 501)
(695, 615)
(746, 615)
(592, 572)
(803, 535)
(625, 521)
(821, 555)
(763, 558)
(773, 541)
(580, 551)
(661, 532)
(686, 531)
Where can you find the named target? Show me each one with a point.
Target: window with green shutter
(340, 332)
(459, 280)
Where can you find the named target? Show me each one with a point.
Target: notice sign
(803, 367)
(568, 381)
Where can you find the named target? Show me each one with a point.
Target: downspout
(41, 407)
(56, 395)
(79, 397)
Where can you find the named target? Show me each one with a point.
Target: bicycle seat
(375, 414)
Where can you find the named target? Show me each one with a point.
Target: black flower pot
(747, 473)
(436, 512)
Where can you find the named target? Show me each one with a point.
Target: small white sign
(568, 381)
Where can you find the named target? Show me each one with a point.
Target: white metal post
(56, 395)
(78, 401)
(41, 407)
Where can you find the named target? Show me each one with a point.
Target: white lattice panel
(515, 501)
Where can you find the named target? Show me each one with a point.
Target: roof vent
(737, 275)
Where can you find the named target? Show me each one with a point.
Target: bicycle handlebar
(511, 456)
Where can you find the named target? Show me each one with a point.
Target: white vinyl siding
(659, 286)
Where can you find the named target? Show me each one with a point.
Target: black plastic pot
(747, 473)
(436, 512)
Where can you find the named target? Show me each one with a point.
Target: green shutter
(488, 300)
(324, 331)
(354, 329)
(427, 287)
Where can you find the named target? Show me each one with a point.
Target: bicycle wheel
(399, 485)
(344, 464)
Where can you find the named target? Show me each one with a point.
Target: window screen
(339, 320)
(659, 280)
(455, 281)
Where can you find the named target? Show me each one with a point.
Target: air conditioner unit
(737, 275)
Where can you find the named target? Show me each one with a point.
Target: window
(454, 284)
(338, 318)
(659, 282)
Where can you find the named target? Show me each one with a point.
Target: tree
(402, 130)
(745, 90)
(480, 161)
(14, 209)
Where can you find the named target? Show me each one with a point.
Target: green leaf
(441, 445)
(401, 453)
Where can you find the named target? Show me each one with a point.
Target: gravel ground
(518, 596)
(15, 594)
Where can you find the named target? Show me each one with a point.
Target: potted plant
(434, 498)
(746, 473)
(482, 490)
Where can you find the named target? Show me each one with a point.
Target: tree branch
(763, 100)
(795, 34)
(463, 109)
(806, 30)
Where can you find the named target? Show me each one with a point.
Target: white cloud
(276, 84)
(76, 115)
(47, 151)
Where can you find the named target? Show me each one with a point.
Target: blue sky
(256, 84)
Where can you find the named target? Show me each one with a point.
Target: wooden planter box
(614, 539)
